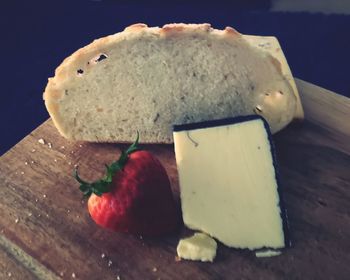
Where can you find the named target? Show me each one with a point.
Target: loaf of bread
(148, 79)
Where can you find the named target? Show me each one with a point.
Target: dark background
(37, 35)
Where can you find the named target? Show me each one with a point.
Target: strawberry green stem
(103, 185)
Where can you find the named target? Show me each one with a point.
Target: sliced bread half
(148, 79)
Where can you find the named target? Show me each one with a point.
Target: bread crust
(55, 87)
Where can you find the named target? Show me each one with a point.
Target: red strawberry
(135, 195)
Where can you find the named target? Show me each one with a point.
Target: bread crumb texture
(148, 79)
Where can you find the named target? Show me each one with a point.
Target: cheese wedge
(199, 247)
(228, 183)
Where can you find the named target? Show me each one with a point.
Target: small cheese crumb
(267, 253)
(110, 263)
(50, 145)
(32, 161)
(61, 273)
(73, 275)
(118, 277)
(63, 147)
(36, 200)
(26, 163)
(17, 220)
(55, 160)
(22, 173)
(41, 141)
(154, 269)
(33, 150)
(44, 195)
(197, 247)
(30, 214)
(9, 274)
(177, 259)
(103, 255)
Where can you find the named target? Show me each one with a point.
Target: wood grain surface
(46, 231)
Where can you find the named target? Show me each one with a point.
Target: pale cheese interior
(228, 184)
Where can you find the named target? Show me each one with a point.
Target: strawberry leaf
(104, 185)
(134, 147)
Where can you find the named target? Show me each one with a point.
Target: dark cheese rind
(240, 119)
(221, 122)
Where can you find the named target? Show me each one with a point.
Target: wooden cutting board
(46, 231)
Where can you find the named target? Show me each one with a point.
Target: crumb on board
(154, 269)
(103, 255)
(22, 172)
(41, 141)
(17, 220)
(33, 150)
(55, 160)
(177, 259)
(50, 145)
(44, 195)
(26, 162)
(110, 263)
(73, 275)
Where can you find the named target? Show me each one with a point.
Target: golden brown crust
(136, 27)
(53, 109)
(231, 31)
(174, 28)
